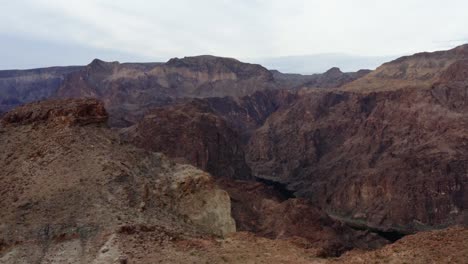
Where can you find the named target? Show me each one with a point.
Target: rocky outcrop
(194, 195)
(386, 160)
(78, 111)
(192, 132)
(67, 188)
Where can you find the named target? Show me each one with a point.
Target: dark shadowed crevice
(279, 187)
(391, 236)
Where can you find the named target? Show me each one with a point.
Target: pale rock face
(193, 195)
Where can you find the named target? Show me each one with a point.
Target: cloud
(242, 29)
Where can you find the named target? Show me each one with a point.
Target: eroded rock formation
(68, 183)
(192, 133)
(387, 160)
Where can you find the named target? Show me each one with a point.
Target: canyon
(209, 159)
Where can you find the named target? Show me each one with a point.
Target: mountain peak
(334, 70)
(100, 64)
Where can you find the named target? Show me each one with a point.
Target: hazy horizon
(302, 64)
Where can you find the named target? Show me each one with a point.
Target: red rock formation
(247, 113)
(78, 111)
(266, 211)
(420, 69)
(68, 184)
(194, 133)
(128, 90)
(456, 72)
(387, 160)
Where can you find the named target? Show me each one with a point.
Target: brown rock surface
(193, 133)
(247, 113)
(441, 246)
(128, 90)
(209, 133)
(141, 244)
(421, 69)
(268, 211)
(78, 111)
(387, 160)
(67, 186)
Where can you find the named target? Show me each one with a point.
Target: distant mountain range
(318, 63)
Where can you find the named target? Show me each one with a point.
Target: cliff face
(192, 132)
(23, 86)
(247, 113)
(128, 90)
(388, 160)
(421, 69)
(69, 185)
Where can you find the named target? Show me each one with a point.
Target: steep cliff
(192, 132)
(23, 86)
(386, 160)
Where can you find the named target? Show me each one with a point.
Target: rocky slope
(441, 246)
(421, 69)
(268, 211)
(69, 186)
(152, 245)
(23, 86)
(392, 160)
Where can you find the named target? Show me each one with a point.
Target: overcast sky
(62, 32)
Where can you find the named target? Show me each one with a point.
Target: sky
(37, 33)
